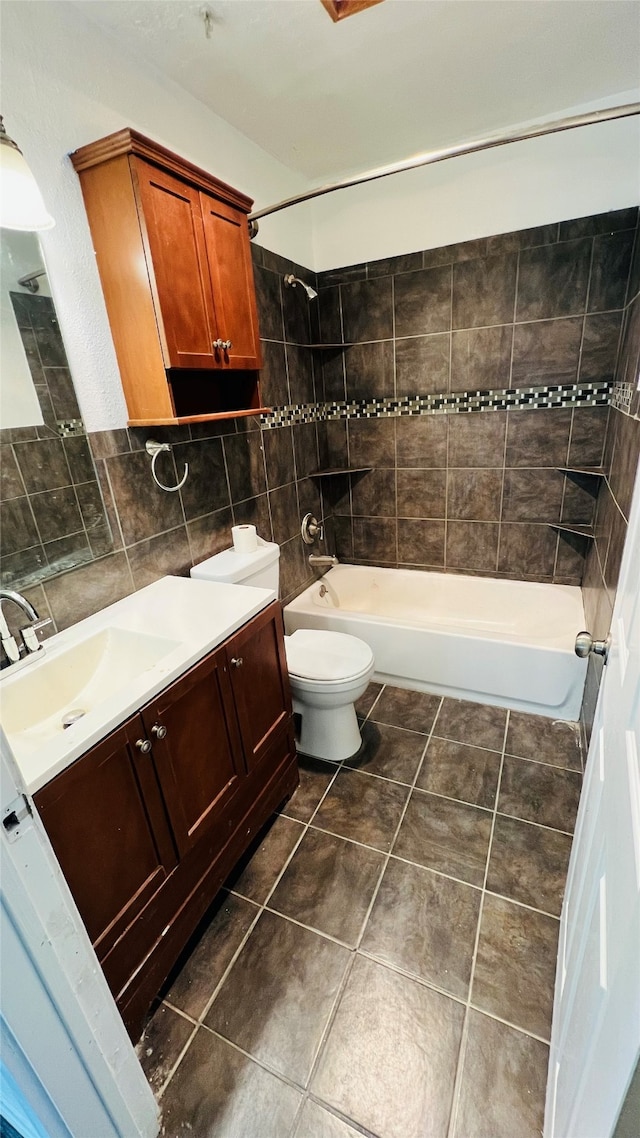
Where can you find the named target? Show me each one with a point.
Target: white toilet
(328, 670)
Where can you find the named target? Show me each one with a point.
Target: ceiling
(404, 76)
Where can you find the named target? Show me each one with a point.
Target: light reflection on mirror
(19, 255)
(52, 514)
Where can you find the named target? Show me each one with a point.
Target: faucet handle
(30, 634)
(11, 649)
(311, 529)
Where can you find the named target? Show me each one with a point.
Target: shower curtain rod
(433, 156)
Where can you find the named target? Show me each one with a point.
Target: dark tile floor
(382, 962)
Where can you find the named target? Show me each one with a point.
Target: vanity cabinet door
(231, 271)
(196, 750)
(171, 223)
(106, 822)
(260, 682)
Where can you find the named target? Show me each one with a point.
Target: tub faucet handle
(311, 529)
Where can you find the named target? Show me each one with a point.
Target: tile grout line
(504, 475)
(370, 711)
(159, 1093)
(344, 765)
(423, 335)
(304, 828)
(507, 1023)
(395, 390)
(324, 795)
(397, 829)
(271, 1069)
(457, 1086)
(567, 463)
(358, 1128)
(398, 782)
(413, 976)
(309, 928)
(199, 1023)
(415, 865)
(330, 1020)
(447, 448)
(354, 952)
(253, 1059)
(236, 954)
(542, 763)
(553, 829)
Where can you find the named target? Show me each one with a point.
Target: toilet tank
(260, 568)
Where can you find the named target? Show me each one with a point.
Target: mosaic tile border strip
(621, 396)
(69, 428)
(596, 394)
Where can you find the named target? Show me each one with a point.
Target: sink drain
(72, 717)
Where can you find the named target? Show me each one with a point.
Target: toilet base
(328, 733)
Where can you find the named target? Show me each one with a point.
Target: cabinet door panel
(260, 682)
(172, 228)
(105, 821)
(231, 269)
(196, 760)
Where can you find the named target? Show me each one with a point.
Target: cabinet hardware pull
(236, 661)
(227, 345)
(143, 745)
(218, 344)
(159, 730)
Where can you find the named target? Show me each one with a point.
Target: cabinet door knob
(236, 661)
(143, 745)
(227, 345)
(218, 344)
(159, 730)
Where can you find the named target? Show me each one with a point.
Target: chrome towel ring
(154, 449)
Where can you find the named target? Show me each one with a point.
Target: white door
(595, 1038)
(62, 1040)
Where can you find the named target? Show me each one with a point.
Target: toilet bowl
(328, 671)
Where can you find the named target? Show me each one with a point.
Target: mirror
(52, 513)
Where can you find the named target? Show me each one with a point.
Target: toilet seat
(327, 658)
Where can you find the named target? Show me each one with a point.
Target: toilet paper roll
(245, 539)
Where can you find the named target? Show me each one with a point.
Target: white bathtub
(509, 643)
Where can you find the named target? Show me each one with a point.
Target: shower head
(291, 282)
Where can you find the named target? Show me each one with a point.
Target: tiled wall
(51, 511)
(622, 450)
(237, 473)
(467, 491)
(475, 492)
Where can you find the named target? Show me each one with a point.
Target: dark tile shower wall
(467, 492)
(622, 449)
(51, 510)
(237, 473)
(473, 492)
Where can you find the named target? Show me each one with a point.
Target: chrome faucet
(29, 634)
(322, 560)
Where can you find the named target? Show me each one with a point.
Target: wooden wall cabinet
(149, 823)
(173, 252)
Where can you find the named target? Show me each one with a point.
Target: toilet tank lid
(232, 567)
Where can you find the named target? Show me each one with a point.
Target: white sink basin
(44, 698)
(99, 672)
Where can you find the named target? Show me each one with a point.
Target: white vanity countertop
(195, 615)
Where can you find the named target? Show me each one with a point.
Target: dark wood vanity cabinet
(149, 823)
(260, 683)
(107, 823)
(173, 252)
(195, 749)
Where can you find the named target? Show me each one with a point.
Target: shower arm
(432, 156)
